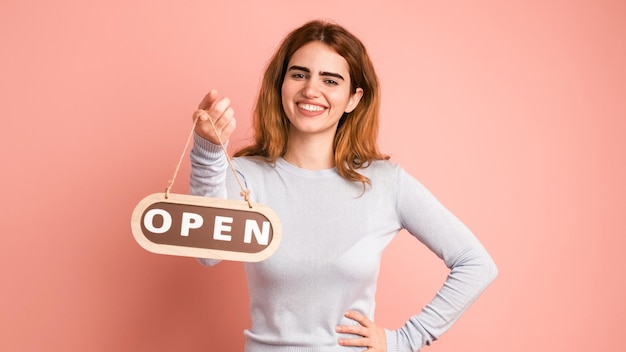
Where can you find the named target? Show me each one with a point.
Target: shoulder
(390, 175)
(381, 168)
(252, 160)
(253, 164)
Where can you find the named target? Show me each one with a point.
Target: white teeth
(309, 107)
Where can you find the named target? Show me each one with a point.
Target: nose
(310, 89)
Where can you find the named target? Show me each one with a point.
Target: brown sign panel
(204, 227)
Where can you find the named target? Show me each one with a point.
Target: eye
(331, 82)
(298, 76)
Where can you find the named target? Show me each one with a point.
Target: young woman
(316, 163)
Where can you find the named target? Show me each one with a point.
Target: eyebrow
(322, 73)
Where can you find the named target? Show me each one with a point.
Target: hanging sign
(202, 227)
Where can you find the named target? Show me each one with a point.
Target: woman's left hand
(372, 336)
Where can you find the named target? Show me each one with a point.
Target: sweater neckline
(315, 174)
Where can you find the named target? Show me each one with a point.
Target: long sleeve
(208, 169)
(208, 174)
(471, 267)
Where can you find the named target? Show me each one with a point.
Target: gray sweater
(329, 257)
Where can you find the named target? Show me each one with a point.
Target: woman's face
(316, 90)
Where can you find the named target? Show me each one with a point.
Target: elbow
(478, 264)
(494, 271)
(208, 261)
(490, 270)
(488, 267)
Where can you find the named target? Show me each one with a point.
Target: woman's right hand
(222, 115)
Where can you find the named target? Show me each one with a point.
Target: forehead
(318, 56)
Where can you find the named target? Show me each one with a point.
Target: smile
(311, 107)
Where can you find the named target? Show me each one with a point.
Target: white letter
(190, 219)
(148, 221)
(252, 226)
(219, 227)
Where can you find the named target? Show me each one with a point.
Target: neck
(310, 153)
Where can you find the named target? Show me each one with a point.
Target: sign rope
(245, 193)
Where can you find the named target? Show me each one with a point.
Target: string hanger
(245, 193)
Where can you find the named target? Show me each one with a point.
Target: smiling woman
(315, 96)
(316, 163)
(355, 142)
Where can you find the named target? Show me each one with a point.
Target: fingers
(225, 125)
(368, 334)
(215, 118)
(208, 100)
(358, 317)
(354, 330)
(221, 110)
(359, 341)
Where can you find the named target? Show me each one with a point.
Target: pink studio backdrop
(513, 113)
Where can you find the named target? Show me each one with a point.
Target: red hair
(355, 140)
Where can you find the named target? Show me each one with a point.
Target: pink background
(512, 112)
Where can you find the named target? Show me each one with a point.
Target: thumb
(208, 100)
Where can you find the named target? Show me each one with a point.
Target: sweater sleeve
(208, 169)
(208, 175)
(471, 267)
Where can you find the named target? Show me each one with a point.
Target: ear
(354, 100)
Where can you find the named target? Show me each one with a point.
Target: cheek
(341, 99)
(284, 96)
(287, 92)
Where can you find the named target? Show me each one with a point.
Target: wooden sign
(202, 227)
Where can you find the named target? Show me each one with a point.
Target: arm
(471, 267)
(208, 169)
(215, 122)
(208, 175)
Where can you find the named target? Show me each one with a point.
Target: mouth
(311, 107)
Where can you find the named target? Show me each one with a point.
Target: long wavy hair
(355, 142)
